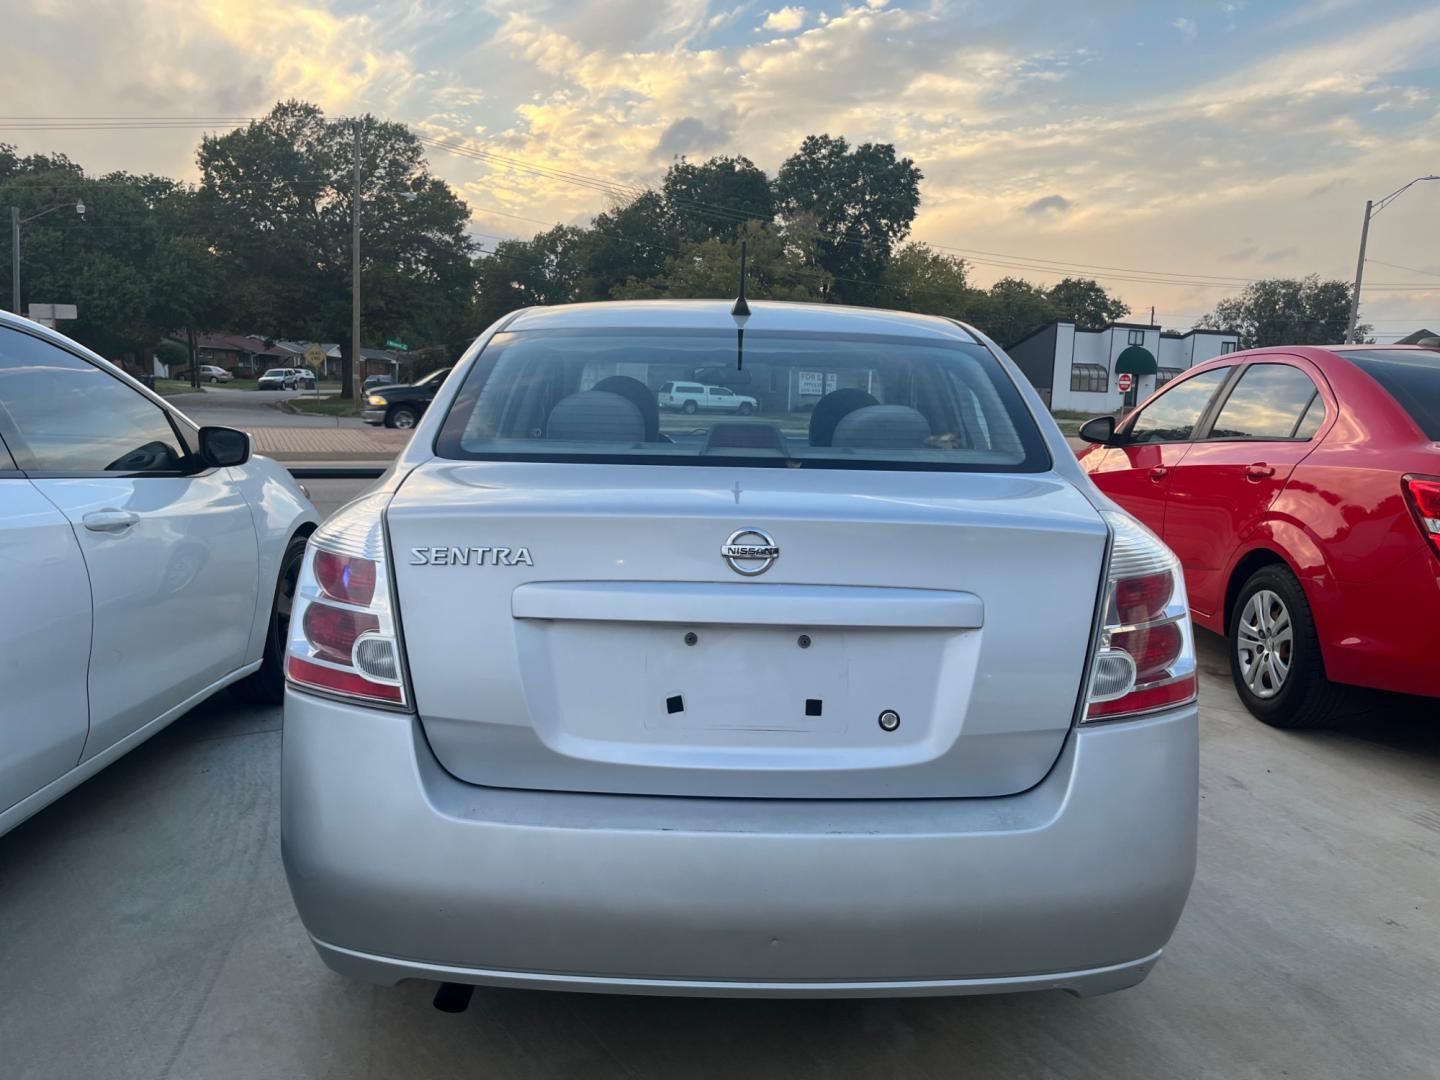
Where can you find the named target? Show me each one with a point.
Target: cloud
(785, 20)
(1281, 255)
(1049, 204)
(690, 135)
(1186, 27)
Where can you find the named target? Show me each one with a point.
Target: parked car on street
(691, 398)
(145, 564)
(1300, 488)
(277, 379)
(885, 698)
(212, 374)
(402, 406)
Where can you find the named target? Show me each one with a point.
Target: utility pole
(356, 379)
(1359, 273)
(15, 259)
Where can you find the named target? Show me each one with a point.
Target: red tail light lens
(344, 639)
(1145, 657)
(1423, 495)
(332, 631)
(345, 578)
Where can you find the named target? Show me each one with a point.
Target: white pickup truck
(693, 397)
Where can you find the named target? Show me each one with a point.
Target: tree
(1286, 311)
(1011, 309)
(863, 202)
(524, 273)
(711, 200)
(279, 191)
(1087, 303)
(919, 278)
(631, 242)
(778, 267)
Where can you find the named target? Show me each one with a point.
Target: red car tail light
(1145, 655)
(344, 638)
(1423, 495)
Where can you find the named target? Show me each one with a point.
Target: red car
(1300, 488)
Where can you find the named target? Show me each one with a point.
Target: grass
(171, 387)
(325, 406)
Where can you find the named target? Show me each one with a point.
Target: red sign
(1124, 382)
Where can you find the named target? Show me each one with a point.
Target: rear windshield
(1411, 378)
(797, 400)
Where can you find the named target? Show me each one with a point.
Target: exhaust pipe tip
(453, 997)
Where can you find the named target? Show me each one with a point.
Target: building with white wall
(1079, 369)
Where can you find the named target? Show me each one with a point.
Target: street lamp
(1371, 209)
(15, 222)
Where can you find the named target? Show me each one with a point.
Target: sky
(1171, 150)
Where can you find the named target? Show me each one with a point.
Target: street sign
(315, 356)
(1124, 382)
(398, 346)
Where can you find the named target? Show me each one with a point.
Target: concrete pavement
(146, 931)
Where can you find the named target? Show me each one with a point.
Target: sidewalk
(328, 444)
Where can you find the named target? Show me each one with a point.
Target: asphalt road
(243, 409)
(146, 931)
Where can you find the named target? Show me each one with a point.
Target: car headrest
(883, 427)
(595, 416)
(639, 395)
(831, 409)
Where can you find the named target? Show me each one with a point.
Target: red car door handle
(1259, 471)
(1158, 473)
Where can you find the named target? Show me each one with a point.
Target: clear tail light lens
(1423, 495)
(344, 639)
(1145, 657)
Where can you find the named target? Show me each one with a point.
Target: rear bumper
(400, 871)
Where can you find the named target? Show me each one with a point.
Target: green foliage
(524, 273)
(279, 195)
(863, 202)
(711, 200)
(1086, 302)
(778, 267)
(1287, 311)
(919, 278)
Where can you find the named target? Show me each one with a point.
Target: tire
(746, 408)
(1275, 658)
(266, 686)
(213, 380)
(689, 408)
(402, 416)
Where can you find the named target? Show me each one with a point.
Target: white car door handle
(109, 520)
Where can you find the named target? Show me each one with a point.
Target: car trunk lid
(578, 627)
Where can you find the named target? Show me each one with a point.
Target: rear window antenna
(741, 312)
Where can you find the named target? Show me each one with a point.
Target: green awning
(1136, 360)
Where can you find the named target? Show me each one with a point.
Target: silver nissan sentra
(866, 692)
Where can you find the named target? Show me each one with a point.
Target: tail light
(1145, 657)
(344, 639)
(1423, 495)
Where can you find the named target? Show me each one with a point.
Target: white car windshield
(801, 399)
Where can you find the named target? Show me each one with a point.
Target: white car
(882, 697)
(144, 564)
(286, 379)
(690, 398)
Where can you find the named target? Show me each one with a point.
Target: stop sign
(1125, 381)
